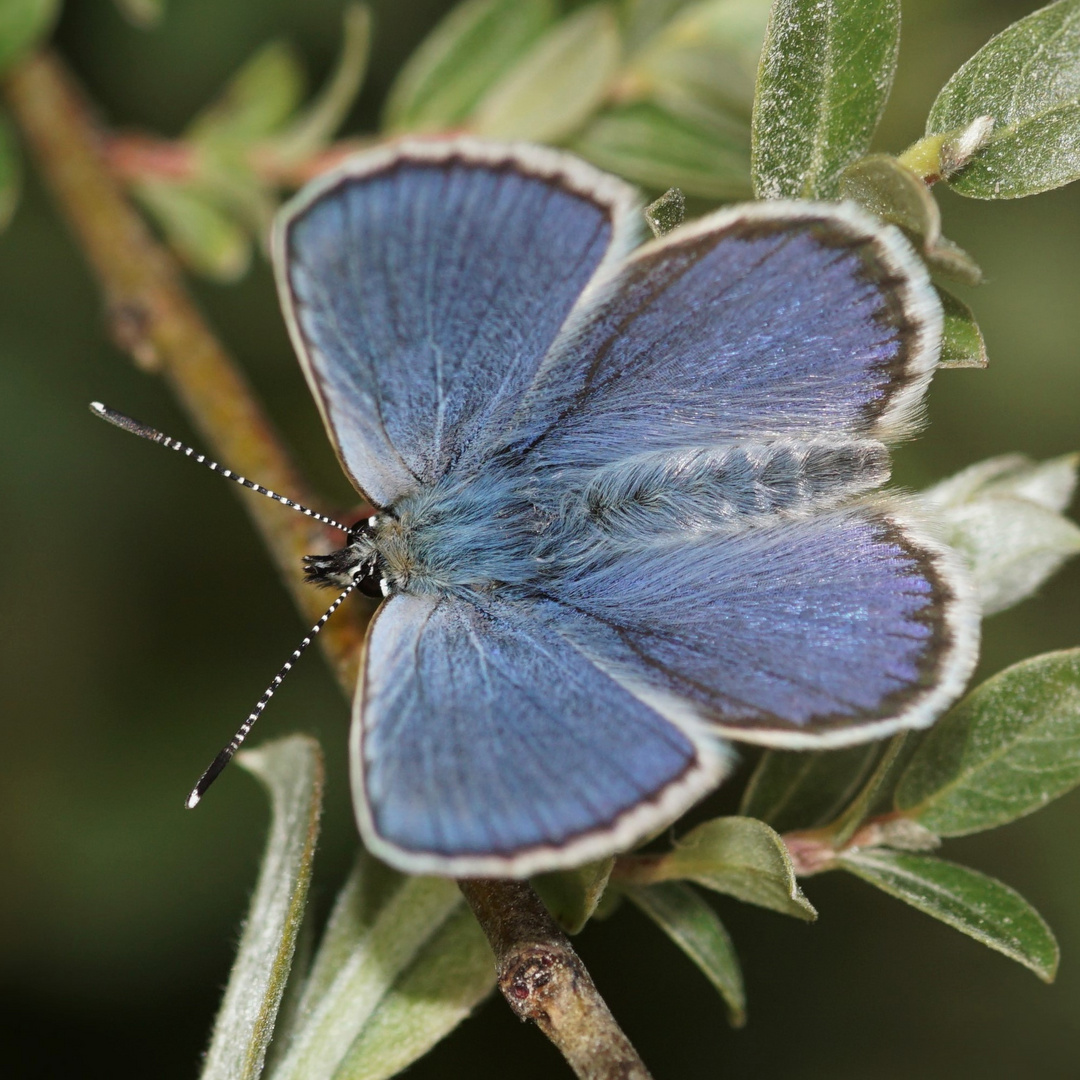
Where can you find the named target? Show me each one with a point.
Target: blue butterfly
(625, 494)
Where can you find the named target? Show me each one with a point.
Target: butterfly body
(627, 500)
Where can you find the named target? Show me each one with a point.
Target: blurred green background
(142, 619)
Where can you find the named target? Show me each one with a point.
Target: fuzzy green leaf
(705, 58)
(1006, 750)
(558, 85)
(962, 342)
(1002, 515)
(205, 238)
(651, 146)
(693, 925)
(793, 789)
(144, 13)
(1049, 484)
(1028, 79)
(572, 896)
(451, 975)
(826, 70)
(666, 213)
(258, 100)
(23, 24)
(976, 905)
(894, 193)
(291, 770)
(735, 855)
(643, 19)
(368, 889)
(1012, 546)
(321, 118)
(10, 172)
(465, 55)
(378, 931)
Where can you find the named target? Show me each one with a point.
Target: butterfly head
(357, 563)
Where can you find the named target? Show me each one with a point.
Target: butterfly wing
(422, 285)
(722, 397)
(817, 630)
(486, 743)
(769, 321)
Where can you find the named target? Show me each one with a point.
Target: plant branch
(153, 318)
(544, 980)
(132, 157)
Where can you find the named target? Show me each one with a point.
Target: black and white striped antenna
(153, 435)
(226, 755)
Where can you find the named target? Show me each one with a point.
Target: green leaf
(1006, 750)
(205, 238)
(451, 975)
(467, 52)
(734, 855)
(880, 781)
(258, 100)
(291, 770)
(651, 146)
(10, 172)
(558, 85)
(974, 904)
(825, 74)
(322, 117)
(894, 193)
(1049, 484)
(962, 343)
(642, 19)
(376, 934)
(1028, 79)
(143, 13)
(1002, 515)
(572, 896)
(1012, 546)
(666, 213)
(705, 57)
(23, 24)
(368, 889)
(692, 924)
(794, 789)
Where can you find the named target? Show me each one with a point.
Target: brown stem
(153, 318)
(544, 980)
(133, 156)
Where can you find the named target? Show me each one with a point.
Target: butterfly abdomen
(729, 486)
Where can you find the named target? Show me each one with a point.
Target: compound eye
(369, 580)
(360, 530)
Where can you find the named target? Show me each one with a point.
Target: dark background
(142, 619)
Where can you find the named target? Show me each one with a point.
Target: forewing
(775, 320)
(484, 743)
(823, 630)
(422, 285)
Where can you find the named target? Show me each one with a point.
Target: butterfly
(626, 494)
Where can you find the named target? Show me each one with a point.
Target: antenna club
(125, 423)
(193, 800)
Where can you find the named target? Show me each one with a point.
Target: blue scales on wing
(774, 321)
(814, 630)
(423, 287)
(483, 735)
